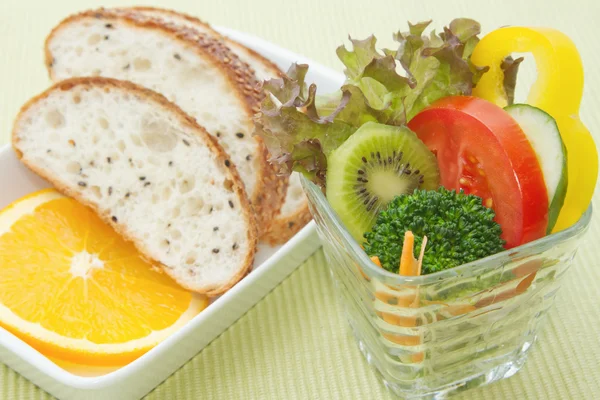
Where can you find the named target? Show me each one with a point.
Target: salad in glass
(448, 212)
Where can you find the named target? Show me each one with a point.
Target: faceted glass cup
(432, 335)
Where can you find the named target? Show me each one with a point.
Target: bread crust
(281, 228)
(185, 119)
(269, 192)
(168, 11)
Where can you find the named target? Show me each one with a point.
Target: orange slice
(75, 290)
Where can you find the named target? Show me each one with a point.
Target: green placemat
(295, 344)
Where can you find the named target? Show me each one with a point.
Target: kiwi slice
(377, 163)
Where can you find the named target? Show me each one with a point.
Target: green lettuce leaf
(355, 109)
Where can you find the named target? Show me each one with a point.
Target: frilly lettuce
(432, 67)
(300, 129)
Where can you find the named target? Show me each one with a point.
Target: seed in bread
(147, 169)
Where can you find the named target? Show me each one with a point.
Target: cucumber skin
(561, 192)
(556, 203)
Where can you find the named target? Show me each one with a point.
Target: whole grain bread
(198, 73)
(294, 212)
(149, 170)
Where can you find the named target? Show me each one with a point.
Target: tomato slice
(482, 150)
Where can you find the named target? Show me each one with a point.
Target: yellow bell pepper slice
(557, 91)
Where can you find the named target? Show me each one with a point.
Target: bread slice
(195, 71)
(147, 169)
(294, 212)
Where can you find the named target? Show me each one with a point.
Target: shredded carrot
(418, 357)
(407, 260)
(376, 261)
(409, 266)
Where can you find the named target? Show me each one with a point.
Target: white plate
(142, 375)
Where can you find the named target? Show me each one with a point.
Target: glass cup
(432, 335)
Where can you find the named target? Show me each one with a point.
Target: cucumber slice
(542, 132)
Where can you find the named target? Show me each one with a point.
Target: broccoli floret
(459, 229)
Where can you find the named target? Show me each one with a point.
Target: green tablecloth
(295, 344)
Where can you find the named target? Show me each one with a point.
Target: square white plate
(142, 375)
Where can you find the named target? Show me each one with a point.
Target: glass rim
(358, 254)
